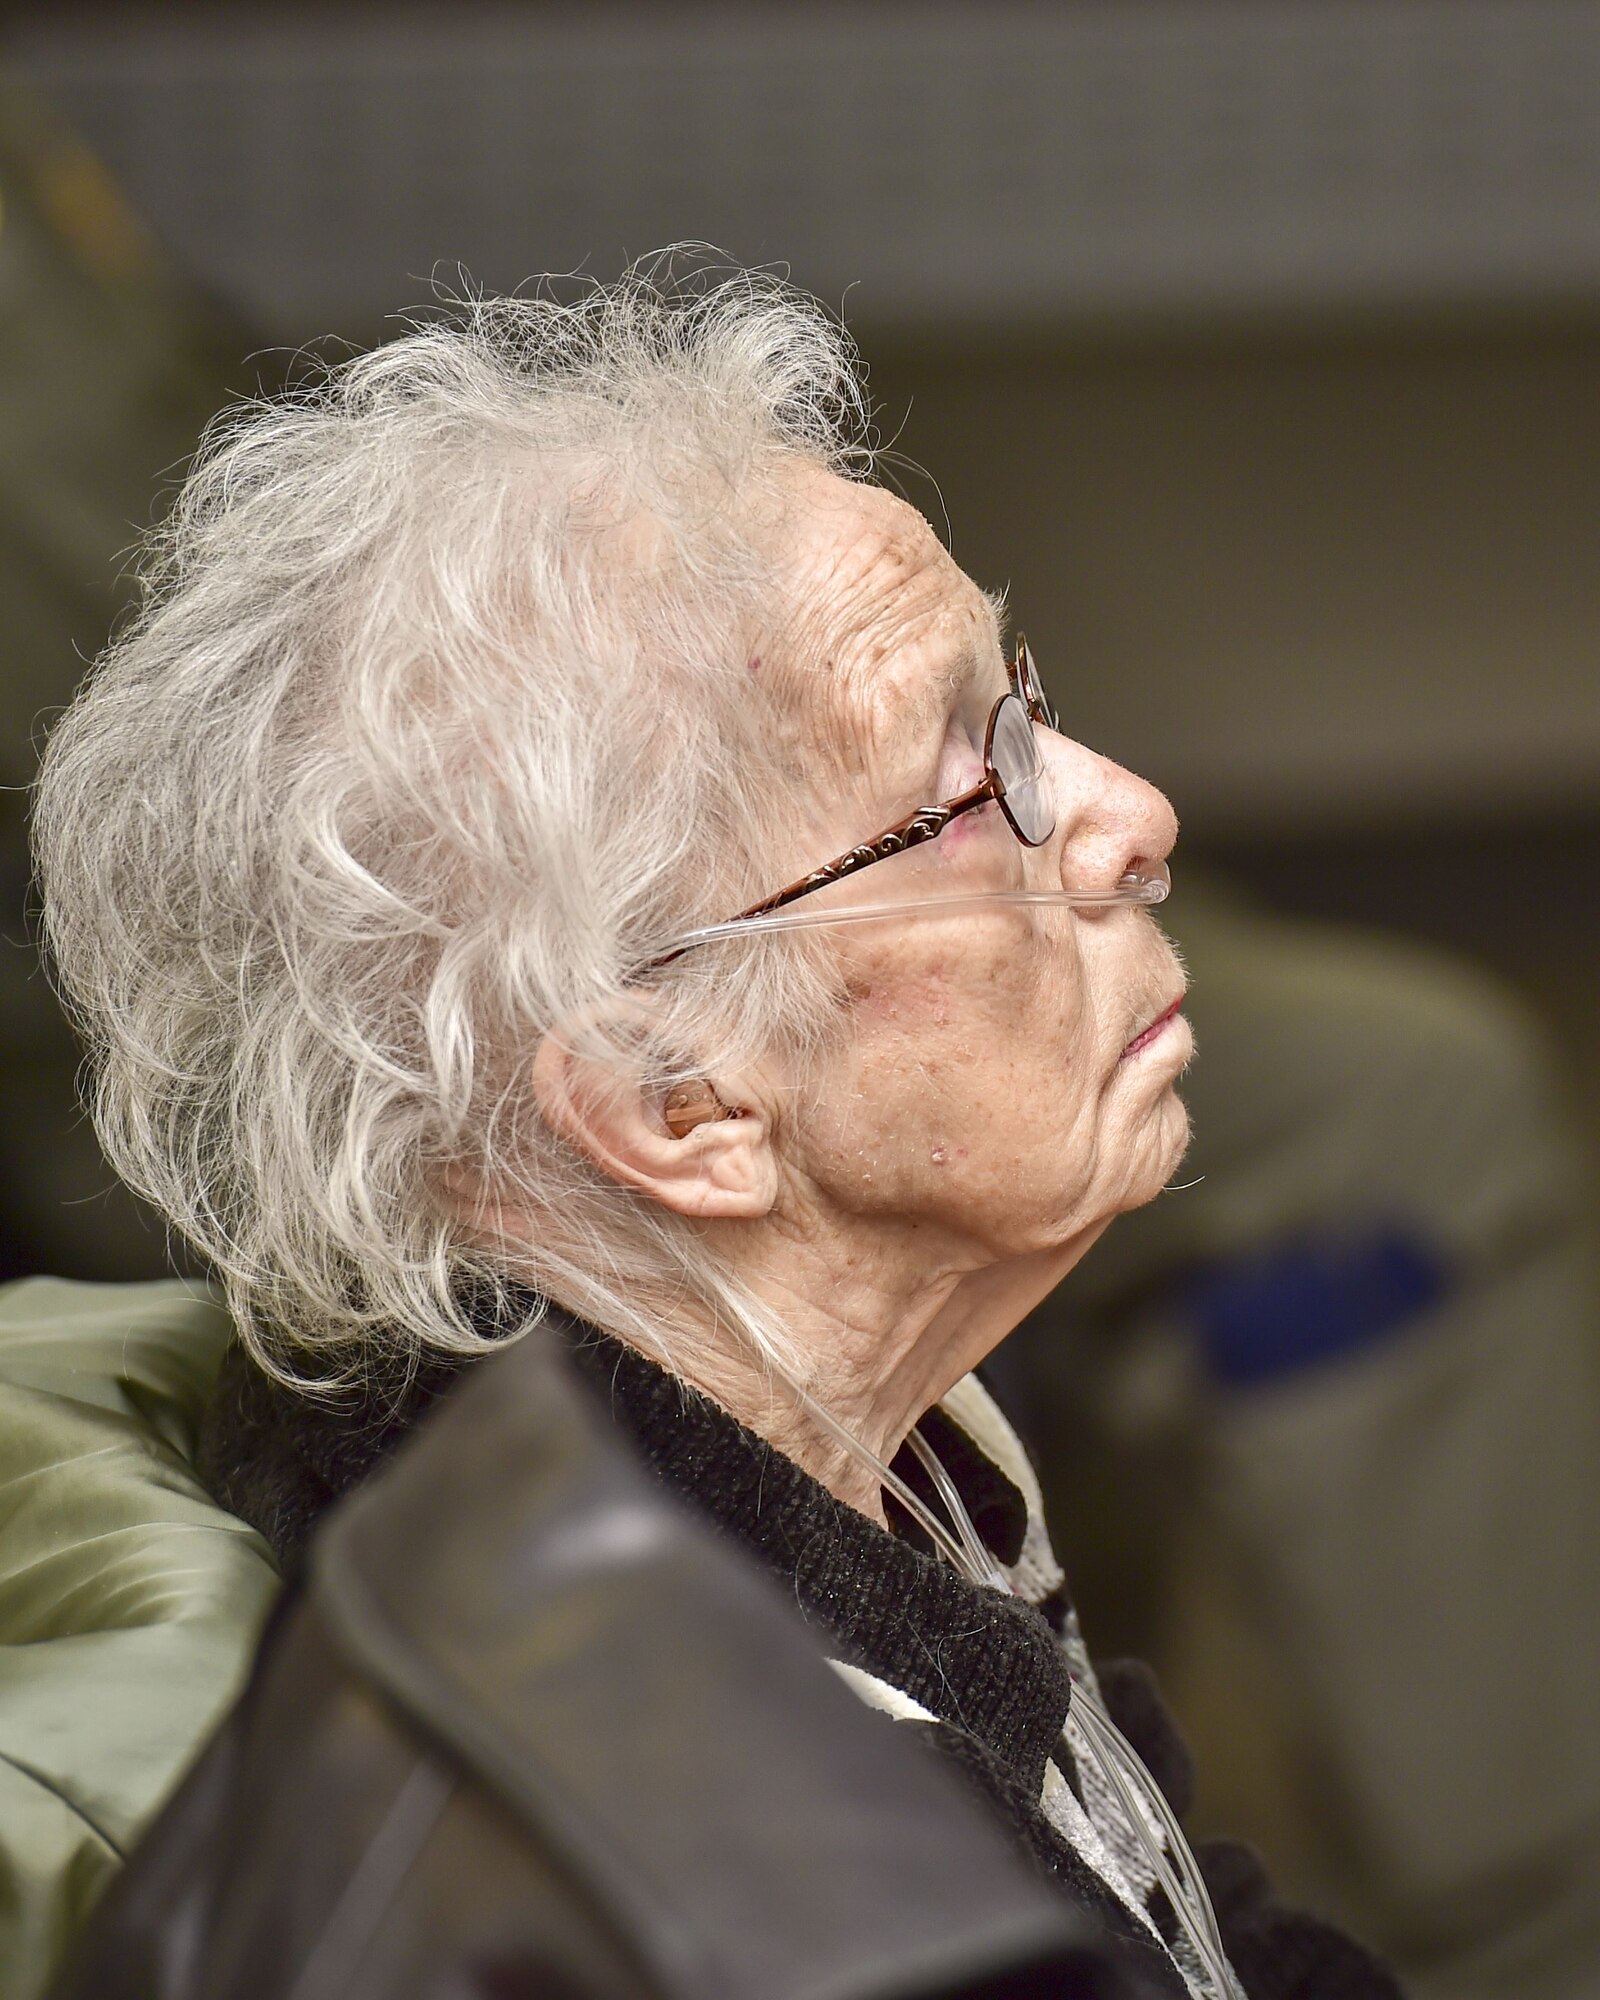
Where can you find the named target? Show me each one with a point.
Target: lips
(1148, 1035)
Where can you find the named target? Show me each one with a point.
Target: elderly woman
(560, 844)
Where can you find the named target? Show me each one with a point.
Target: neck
(887, 1329)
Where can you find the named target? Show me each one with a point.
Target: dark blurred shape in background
(109, 365)
(1256, 349)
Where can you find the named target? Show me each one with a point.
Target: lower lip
(1157, 1027)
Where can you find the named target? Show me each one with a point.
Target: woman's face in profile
(1006, 1075)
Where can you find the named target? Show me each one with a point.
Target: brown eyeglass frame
(927, 822)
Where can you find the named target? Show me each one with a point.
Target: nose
(1107, 820)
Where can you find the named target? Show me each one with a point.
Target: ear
(724, 1168)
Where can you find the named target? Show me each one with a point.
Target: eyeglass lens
(1014, 752)
(1031, 688)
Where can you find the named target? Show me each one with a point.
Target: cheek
(964, 1073)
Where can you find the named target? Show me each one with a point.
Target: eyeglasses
(1014, 778)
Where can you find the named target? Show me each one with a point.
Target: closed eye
(960, 758)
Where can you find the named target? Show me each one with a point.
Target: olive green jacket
(130, 1603)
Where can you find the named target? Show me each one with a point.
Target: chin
(1165, 1144)
(1176, 1114)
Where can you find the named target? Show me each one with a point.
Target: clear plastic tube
(1210, 1963)
(1116, 1759)
(1165, 1816)
(947, 1545)
(1145, 888)
(983, 1563)
(1120, 1763)
(1179, 1875)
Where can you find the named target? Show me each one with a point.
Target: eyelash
(961, 752)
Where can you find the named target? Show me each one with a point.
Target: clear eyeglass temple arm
(1147, 886)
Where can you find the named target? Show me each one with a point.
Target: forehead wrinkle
(889, 624)
(901, 681)
(960, 646)
(910, 643)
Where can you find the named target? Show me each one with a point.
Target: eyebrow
(964, 669)
(976, 653)
(934, 698)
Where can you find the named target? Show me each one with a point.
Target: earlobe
(702, 1157)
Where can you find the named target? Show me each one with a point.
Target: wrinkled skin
(979, 1123)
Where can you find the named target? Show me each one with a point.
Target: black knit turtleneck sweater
(987, 1665)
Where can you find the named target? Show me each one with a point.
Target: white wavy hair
(435, 723)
